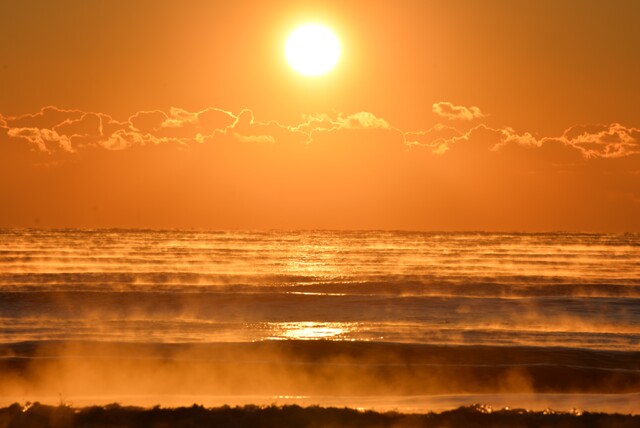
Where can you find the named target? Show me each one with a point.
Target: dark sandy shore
(41, 416)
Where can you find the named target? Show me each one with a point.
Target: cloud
(438, 138)
(212, 120)
(591, 141)
(71, 131)
(180, 124)
(179, 118)
(324, 122)
(123, 139)
(248, 130)
(147, 121)
(510, 136)
(361, 120)
(603, 141)
(42, 138)
(46, 118)
(87, 125)
(215, 168)
(454, 112)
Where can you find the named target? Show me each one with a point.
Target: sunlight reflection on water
(552, 289)
(311, 330)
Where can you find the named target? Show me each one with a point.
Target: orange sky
(457, 115)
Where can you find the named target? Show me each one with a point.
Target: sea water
(555, 303)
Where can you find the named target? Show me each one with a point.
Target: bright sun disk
(312, 50)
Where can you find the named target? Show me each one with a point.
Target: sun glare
(312, 50)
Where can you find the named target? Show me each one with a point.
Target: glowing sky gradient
(460, 115)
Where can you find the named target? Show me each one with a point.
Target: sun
(312, 50)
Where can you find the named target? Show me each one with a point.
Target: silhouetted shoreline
(43, 416)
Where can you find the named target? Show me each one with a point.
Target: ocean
(369, 319)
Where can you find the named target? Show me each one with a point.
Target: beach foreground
(37, 415)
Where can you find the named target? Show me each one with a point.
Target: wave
(309, 368)
(595, 322)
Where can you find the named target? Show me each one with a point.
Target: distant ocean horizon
(99, 313)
